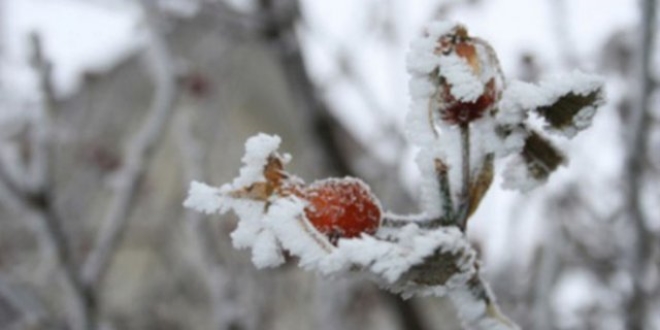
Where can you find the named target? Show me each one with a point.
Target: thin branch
(139, 150)
(30, 308)
(464, 205)
(32, 193)
(637, 147)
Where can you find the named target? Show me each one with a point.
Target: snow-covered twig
(137, 155)
(463, 117)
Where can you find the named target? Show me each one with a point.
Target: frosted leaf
(257, 150)
(566, 102)
(517, 100)
(286, 221)
(533, 165)
(266, 252)
(393, 259)
(203, 198)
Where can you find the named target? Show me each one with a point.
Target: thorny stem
(464, 206)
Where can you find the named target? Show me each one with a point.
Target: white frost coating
(203, 198)
(465, 85)
(418, 128)
(421, 88)
(512, 143)
(391, 260)
(517, 99)
(421, 63)
(520, 98)
(476, 314)
(432, 201)
(295, 234)
(577, 82)
(257, 150)
(517, 177)
(266, 252)
(581, 84)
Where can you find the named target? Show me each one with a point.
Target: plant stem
(464, 206)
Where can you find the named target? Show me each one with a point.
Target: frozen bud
(464, 73)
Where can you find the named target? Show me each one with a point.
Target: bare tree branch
(30, 193)
(637, 148)
(138, 152)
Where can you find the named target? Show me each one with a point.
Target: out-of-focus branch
(225, 313)
(30, 192)
(137, 155)
(637, 148)
(30, 309)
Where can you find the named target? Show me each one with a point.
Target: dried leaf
(480, 185)
(541, 157)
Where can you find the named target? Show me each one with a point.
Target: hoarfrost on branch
(464, 116)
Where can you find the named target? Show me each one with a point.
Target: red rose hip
(342, 208)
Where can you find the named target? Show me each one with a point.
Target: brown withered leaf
(467, 51)
(261, 191)
(481, 183)
(273, 171)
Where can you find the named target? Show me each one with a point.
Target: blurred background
(109, 108)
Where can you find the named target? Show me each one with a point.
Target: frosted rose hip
(342, 208)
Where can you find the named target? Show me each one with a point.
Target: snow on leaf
(257, 150)
(566, 102)
(203, 198)
(532, 167)
(266, 252)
